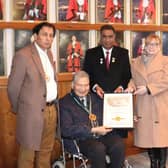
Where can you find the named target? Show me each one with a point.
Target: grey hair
(78, 75)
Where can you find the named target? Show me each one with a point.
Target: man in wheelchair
(81, 115)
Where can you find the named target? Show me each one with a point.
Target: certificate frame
(118, 110)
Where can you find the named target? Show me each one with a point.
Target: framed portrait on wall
(22, 38)
(1, 54)
(164, 43)
(30, 10)
(1, 9)
(110, 11)
(119, 38)
(73, 10)
(143, 12)
(72, 47)
(164, 16)
(138, 43)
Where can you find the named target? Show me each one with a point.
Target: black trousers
(97, 149)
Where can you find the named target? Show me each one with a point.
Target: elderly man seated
(81, 115)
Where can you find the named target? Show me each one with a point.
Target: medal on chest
(92, 117)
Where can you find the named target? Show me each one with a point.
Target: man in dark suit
(32, 90)
(111, 78)
(82, 121)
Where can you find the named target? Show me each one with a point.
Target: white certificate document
(118, 110)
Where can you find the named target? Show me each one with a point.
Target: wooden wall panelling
(8, 146)
(85, 26)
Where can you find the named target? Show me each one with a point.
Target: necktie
(83, 100)
(107, 60)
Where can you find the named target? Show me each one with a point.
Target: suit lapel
(37, 61)
(113, 57)
(101, 58)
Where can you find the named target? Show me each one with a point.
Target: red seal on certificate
(92, 117)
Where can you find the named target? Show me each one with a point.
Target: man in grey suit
(32, 90)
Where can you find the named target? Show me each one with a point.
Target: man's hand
(99, 91)
(101, 130)
(119, 89)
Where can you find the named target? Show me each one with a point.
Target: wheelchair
(75, 155)
(71, 155)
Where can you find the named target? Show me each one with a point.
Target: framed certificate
(118, 110)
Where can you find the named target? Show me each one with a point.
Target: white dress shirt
(49, 73)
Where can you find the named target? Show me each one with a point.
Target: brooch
(101, 60)
(113, 59)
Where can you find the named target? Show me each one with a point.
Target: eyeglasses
(153, 44)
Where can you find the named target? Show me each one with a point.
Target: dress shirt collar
(105, 50)
(40, 50)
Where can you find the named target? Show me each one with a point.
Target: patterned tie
(107, 60)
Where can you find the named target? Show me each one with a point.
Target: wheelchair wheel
(58, 164)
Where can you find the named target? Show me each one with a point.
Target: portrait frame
(2, 70)
(138, 42)
(138, 16)
(67, 61)
(164, 43)
(29, 11)
(66, 8)
(22, 38)
(164, 12)
(104, 13)
(1, 9)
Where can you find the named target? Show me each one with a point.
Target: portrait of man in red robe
(146, 12)
(35, 10)
(74, 54)
(77, 10)
(113, 11)
(1, 10)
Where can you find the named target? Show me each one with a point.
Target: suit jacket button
(42, 110)
(156, 122)
(44, 95)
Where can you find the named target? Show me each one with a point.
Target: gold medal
(92, 117)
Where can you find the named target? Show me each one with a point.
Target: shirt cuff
(94, 88)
